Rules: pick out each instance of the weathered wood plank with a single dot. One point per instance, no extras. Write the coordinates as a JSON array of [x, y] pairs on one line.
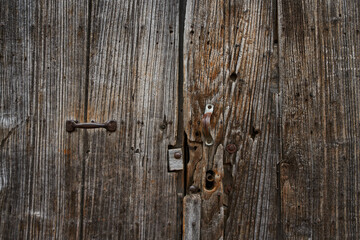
[[192, 217], [230, 62], [251, 120], [42, 75], [203, 84], [319, 78], [129, 193]]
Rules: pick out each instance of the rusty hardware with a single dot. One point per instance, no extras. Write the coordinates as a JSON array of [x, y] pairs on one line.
[[71, 125], [193, 189], [206, 125], [175, 159], [210, 179], [177, 155], [210, 176], [231, 148]]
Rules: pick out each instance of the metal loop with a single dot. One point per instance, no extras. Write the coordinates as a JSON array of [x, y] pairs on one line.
[[206, 125]]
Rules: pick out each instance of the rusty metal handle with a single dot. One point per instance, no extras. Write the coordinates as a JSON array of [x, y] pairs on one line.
[[71, 125], [206, 125]]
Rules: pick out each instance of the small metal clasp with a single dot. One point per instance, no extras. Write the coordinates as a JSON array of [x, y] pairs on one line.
[[206, 125]]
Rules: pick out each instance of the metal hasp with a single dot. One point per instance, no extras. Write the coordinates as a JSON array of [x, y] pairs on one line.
[[209, 141], [110, 125]]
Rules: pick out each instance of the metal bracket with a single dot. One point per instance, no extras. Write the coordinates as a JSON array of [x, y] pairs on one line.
[[209, 141], [71, 125], [175, 159]]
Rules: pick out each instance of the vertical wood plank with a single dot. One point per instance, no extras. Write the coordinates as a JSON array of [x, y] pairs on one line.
[[251, 120], [230, 61], [129, 193], [319, 73], [42, 73], [192, 217], [203, 84]]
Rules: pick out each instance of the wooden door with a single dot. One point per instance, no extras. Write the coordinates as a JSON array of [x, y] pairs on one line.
[[279, 77], [283, 77], [89, 60]]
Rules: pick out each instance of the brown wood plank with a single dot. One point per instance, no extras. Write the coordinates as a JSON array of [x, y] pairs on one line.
[[129, 193], [42, 75], [203, 84], [231, 63], [251, 120], [319, 78]]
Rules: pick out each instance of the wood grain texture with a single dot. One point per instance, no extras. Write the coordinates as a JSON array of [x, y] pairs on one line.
[[42, 75], [283, 77], [319, 78], [251, 119], [133, 78], [203, 84], [230, 62], [192, 217]]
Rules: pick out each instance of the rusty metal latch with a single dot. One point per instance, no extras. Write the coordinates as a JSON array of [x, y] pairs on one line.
[[206, 125], [71, 125]]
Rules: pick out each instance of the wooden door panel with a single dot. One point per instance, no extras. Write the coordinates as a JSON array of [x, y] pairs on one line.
[[282, 77], [129, 193], [42, 74], [251, 120], [230, 61], [319, 79]]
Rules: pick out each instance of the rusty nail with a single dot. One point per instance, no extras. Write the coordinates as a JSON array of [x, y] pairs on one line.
[[177, 155], [231, 148], [192, 189]]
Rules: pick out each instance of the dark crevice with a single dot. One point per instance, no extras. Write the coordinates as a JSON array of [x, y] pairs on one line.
[[254, 132], [278, 199], [186, 158], [181, 138], [85, 136], [279, 232], [180, 124], [209, 180], [87, 70]]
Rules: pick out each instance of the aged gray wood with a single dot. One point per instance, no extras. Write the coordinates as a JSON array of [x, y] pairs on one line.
[[292, 112], [319, 78], [42, 76], [192, 217], [230, 62], [89, 184], [133, 78]]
